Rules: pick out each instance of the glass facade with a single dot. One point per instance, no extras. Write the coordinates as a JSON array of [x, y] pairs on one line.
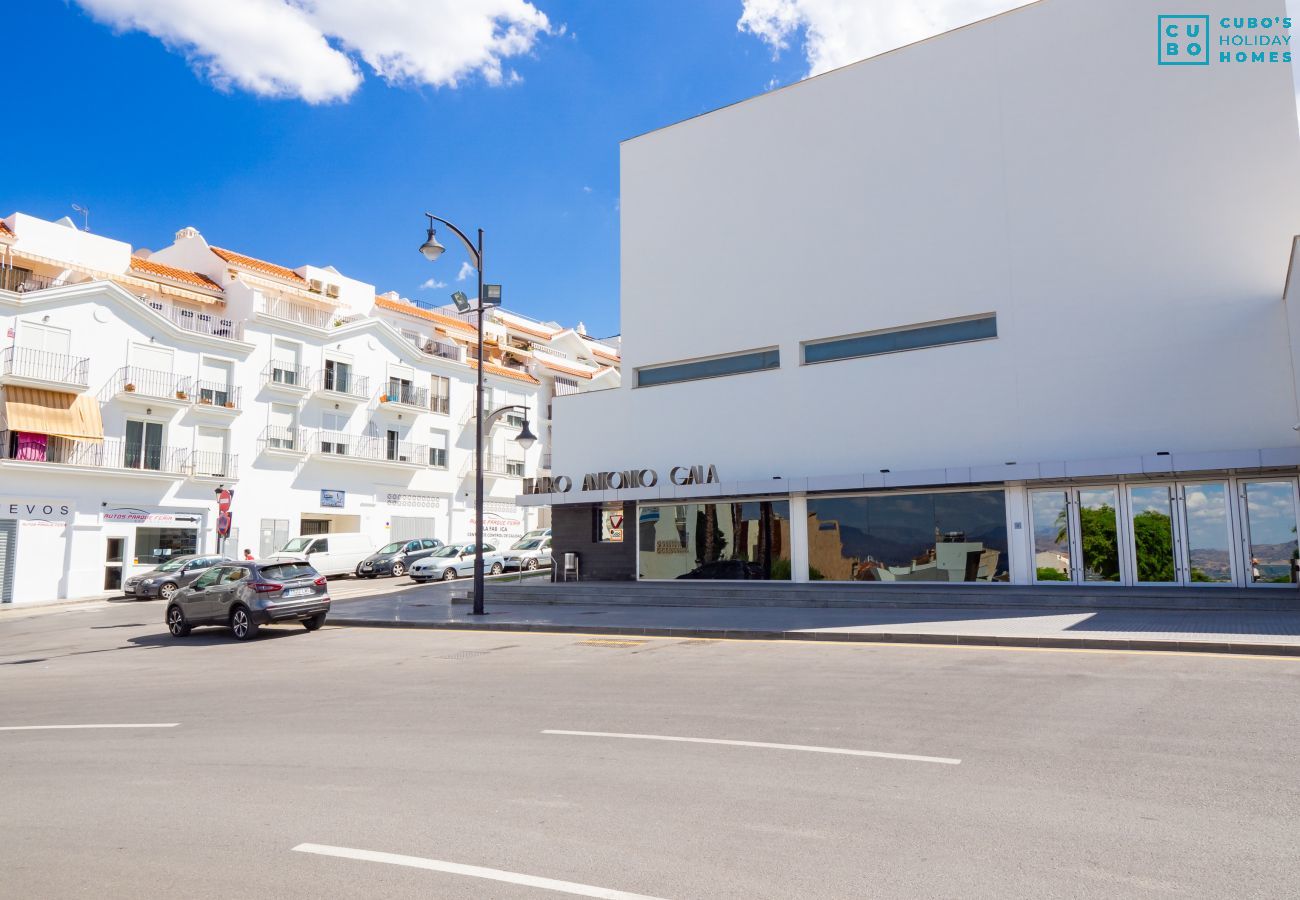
[[737, 364], [740, 541], [154, 546], [951, 536]]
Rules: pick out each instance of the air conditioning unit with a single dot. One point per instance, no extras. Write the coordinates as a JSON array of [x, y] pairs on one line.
[[331, 290], [314, 285]]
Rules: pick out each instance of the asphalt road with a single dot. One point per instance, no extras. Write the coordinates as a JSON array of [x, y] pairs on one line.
[[1080, 774]]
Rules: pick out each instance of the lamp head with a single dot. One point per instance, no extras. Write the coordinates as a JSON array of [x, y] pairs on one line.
[[431, 248], [525, 438]]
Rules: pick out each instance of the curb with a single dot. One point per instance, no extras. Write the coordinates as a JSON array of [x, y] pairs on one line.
[[857, 637]]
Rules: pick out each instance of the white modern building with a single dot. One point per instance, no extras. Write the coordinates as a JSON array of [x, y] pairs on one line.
[[1009, 305], [134, 386]]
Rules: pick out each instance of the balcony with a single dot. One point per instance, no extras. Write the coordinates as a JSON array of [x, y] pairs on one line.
[[282, 441], [365, 448], [207, 464], [40, 368], [24, 281], [339, 386], [292, 311], [113, 454], [495, 465], [216, 397], [404, 397], [440, 403], [152, 385], [196, 320], [286, 376]]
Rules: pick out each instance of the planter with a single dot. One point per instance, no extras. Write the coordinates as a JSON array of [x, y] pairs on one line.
[[228, 405], [383, 398], [130, 389], [205, 401], [181, 395]]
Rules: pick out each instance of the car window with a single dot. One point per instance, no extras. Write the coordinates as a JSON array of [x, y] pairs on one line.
[[234, 574], [488, 547], [209, 578], [413, 546], [428, 544], [546, 544], [392, 548], [287, 571], [297, 545], [447, 552], [321, 546], [171, 565]]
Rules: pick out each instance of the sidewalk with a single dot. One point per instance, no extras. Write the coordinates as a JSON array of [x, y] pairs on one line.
[[1204, 631]]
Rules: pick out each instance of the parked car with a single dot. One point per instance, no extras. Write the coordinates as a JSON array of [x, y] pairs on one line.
[[171, 576], [455, 560], [536, 533], [397, 557], [246, 595], [528, 553], [329, 554], [726, 570]]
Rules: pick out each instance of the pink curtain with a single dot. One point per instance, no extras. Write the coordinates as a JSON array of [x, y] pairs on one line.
[[31, 446]]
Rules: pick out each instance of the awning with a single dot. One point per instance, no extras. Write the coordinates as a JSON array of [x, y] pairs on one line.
[[74, 416]]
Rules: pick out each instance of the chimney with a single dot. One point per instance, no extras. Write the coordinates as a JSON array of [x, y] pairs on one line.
[[189, 231]]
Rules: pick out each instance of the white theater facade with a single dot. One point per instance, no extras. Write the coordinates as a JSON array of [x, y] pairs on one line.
[[976, 311]]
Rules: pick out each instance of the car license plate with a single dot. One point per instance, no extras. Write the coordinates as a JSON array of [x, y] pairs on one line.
[[298, 592]]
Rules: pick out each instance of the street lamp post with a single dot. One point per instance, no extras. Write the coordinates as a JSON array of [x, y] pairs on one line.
[[432, 250]]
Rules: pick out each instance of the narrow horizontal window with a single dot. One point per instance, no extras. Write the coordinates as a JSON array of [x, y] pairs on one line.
[[737, 364], [911, 338]]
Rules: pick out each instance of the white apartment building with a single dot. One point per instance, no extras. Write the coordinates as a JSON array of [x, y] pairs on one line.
[[133, 387], [1012, 305]]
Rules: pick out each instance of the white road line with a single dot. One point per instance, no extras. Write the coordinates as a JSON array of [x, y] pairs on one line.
[[692, 740], [66, 727], [437, 865]]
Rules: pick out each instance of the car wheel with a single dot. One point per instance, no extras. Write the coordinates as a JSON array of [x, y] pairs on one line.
[[449, 574], [176, 623], [168, 591], [531, 565], [314, 622], [242, 624], [398, 570], [497, 568]]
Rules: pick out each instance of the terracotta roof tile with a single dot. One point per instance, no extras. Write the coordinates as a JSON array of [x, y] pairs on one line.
[[508, 373], [257, 265], [605, 354], [193, 279], [6, 232], [526, 328], [581, 373], [412, 310]]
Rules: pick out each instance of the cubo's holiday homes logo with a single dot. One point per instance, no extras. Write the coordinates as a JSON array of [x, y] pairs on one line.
[[1189, 40]]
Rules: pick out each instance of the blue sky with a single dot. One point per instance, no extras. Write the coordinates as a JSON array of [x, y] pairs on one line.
[[120, 123]]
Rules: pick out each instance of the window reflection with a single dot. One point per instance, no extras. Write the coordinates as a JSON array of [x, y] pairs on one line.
[[1271, 523], [1099, 533], [1209, 536], [718, 541], [1153, 534], [950, 536], [1050, 512]]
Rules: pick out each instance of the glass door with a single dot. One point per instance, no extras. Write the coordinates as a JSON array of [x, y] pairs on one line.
[[1206, 533], [1157, 552], [1269, 513], [1049, 511], [1076, 535]]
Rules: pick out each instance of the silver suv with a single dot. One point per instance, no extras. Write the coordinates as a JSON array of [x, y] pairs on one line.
[[243, 596], [171, 576]]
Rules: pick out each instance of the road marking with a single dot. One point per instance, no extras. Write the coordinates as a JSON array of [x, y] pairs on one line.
[[692, 740], [437, 865], [67, 727]]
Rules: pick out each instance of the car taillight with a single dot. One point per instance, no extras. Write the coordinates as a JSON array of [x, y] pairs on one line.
[[319, 582], [264, 587]]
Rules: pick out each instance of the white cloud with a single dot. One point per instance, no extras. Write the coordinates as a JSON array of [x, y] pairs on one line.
[[586, 189], [310, 48], [466, 270], [838, 32], [432, 284]]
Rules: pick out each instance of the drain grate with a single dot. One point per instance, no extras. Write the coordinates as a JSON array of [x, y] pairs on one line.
[[608, 642], [471, 654], [697, 642]]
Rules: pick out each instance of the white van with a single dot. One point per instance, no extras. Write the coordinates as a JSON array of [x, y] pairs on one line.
[[330, 554]]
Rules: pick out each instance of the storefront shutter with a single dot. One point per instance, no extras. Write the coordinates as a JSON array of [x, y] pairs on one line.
[[8, 542]]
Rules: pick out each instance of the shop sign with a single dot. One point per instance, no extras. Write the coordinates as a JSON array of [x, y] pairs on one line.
[[36, 509], [136, 516], [333, 499], [621, 480], [496, 526]]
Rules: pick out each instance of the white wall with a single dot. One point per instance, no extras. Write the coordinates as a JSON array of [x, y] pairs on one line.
[[1130, 225]]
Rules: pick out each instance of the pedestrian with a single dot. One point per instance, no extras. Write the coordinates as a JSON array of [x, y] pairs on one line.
[[248, 554], [1254, 568]]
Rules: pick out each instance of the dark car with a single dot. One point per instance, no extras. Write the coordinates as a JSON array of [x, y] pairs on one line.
[[396, 558], [245, 595], [171, 576], [727, 570]]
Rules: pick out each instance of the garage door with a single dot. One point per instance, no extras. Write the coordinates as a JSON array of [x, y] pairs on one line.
[[403, 528], [8, 541]]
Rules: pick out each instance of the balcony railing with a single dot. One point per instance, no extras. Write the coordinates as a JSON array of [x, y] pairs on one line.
[[111, 453], [293, 311], [440, 403], [349, 385], [216, 393], [210, 464], [280, 439], [495, 464], [152, 383], [285, 375], [21, 281], [368, 448], [406, 394], [195, 320], [42, 365]]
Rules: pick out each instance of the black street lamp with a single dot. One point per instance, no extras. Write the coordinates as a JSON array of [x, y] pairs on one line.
[[432, 250]]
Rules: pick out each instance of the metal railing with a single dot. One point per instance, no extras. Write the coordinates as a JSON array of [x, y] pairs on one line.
[[293, 311], [349, 385], [443, 350], [440, 403], [278, 438], [496, 464], [406, 394], [152, 383], [204, 323], [368, 448], [216, 393], [111, 453], [21, 281], [210, 464], [25, 362], [286, 375]]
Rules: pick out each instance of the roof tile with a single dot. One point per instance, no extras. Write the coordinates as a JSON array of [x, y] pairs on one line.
[[193, 279], [6, 232], [493, 369], [257, 265], [413, 310]]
